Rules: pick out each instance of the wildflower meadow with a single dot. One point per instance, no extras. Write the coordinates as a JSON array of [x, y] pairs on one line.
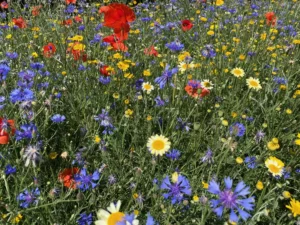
[[170, 112]]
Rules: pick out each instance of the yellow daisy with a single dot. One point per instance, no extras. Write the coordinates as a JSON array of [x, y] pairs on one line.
[[253, 83], [238, 72], [294, 207], [158, 144], [275, 166], [112, 215], [146, 86]]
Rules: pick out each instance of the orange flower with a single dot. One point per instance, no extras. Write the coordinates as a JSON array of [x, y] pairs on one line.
[[49, 50], [19, 22], [4, 5], [36, 10], [70, 2], [195, 89], [66, 177], [151, 51], [7, 128], [78, 19], [271, 18], [67, 22]]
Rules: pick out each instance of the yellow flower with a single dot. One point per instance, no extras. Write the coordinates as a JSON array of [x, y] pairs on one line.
[[76, 38], [296, 42], [148, 87], [174, 177], [63, 73], [147, 73], [128, 113], [239, 160], [234, 114], [275, 166], [263, 36], [123, 66], [294, 207], [219, 2], [117, 56], [35, 29], [259, 185], [135, 195], [149, 118], [78, 47], [116, 95], [17, 219], [126, 101], [128, 75], [242, 57], [225, 123], [289, 111], [210, 33], [34, 55], [195, 198], [286, 194], [183, 56], [53, 155], [97, 139], [203, 19], [297, 142], [204, 185], [238, 72], [273, 144], [9, 36], [253, 83], [158, 145]]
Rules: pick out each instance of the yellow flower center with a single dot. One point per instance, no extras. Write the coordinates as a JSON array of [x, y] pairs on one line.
[[237, 72], [158, 145], [114, 218], [253, 83], [147, 86], [274, 169]]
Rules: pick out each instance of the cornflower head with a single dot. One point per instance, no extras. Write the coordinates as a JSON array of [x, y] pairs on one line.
[[166, 76], [183, 125], [21, 95], [32, 154], [85, 219], [4, 70], [175, 46], [177, 188], [27, 131], [57, 118], [105, 121], [86, 181], [208, 156], [27, 198], [259, 136], [150, 220], [237, 129], [250, 161], [174, 154], [234, 200]]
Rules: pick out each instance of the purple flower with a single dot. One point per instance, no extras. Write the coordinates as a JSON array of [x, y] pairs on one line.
[[104, 80], [175, 46], [150, 220], [11, 55], [32, 154], [4, 69], [174, 154], [57, 118], [128, 219], [166, 77], [27, 198], [250, 161], [183, 125], [85, 181], [85, 219], [237, 129], [259, 136], [21, 95], [10, 170], [177, 189], [27, 131], [208, 157], [105, 121], [159, 101], [233, 200]]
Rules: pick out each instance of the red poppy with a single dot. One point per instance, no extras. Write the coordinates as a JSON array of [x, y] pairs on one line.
[[103, 70], [115, 43], [67, 177], [151, 51], [19, 22], [122, 33], [78, 19], [194, 89], [4, 5], [49, 50], [117, 15], [70, 2], [186, 25], [7, 128], [271, 18], [67, 22], [36, 10]]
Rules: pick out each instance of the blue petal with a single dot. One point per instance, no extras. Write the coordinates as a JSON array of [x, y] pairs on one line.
[[246, 203], [96, 175], [215, 203], [214, 187], [219, 211], [165, 183], [243, 192], [233, 217], [228, 182], [243, 214], [241, 185]]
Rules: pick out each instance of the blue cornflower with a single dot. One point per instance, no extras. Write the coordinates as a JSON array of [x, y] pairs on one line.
[[208, 52], [27, 131], [166, 76], [70, 8], [175, 46], [37, 65], [78, 159], [2, 99], [11, 55], [150, 220], [231, 200], [174, 154], [179, 187], [105, 121], [85, 219], [86, 181], [21, 95], [208, 156], [57, 118], [237, 129], [81, 27], [10, 170], [280, 80], [182, 125], [138, 84], [32, 154], [4, 69], [250, 161], [104, 80], [159, 101], [259, 136], [27, 198]]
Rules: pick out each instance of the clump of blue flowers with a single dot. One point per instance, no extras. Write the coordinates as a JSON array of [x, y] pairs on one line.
[[27, 198]]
